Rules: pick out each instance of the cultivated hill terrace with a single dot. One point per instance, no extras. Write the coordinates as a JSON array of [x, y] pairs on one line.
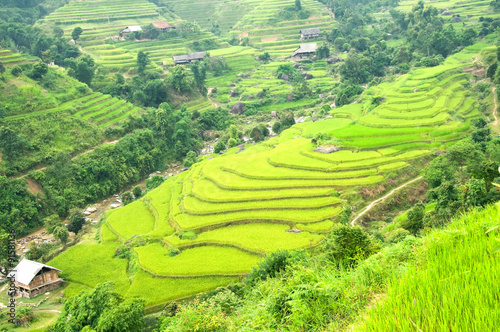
[[223, 214]]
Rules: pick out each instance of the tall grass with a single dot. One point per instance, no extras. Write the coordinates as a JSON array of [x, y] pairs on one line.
[[456, 288]]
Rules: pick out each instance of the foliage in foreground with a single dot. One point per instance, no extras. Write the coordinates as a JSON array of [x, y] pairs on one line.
[[439, 279]]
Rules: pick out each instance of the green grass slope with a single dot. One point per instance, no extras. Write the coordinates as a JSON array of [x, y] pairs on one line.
[[454, 289]]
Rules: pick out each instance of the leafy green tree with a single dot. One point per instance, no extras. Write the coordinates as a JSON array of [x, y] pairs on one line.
[[179, 79], [199, 70], [347, 245], [51, 223], [137, 191], [142, 61], [2, 68], [277, 129], [38, 70], [127, 197], [100, 309], [58, 32], [76, 33], [61, 233], [298, 5], [219, 147], [190, 159], [11, 144], [154, 182], [84, 72], [76, 221], [287, 120], [232, 142], [16, 71], [265, 57], [415, 219], [323, 52]]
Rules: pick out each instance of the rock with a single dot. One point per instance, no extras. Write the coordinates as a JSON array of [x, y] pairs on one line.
[[295, 230], [233, 93], [327, 149], [308, 76], [260, 94], [416, 90], [457, 19], [442, 10], [285, 77], [232, 85], [273, 114], [238, 108], [334, 59], [240, 146], [322, 95], [314, 119], [183, 169], [250, 97], [289, 97], [114, 206], [469, 16]]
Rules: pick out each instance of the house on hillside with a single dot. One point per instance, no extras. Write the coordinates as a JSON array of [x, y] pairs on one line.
[[132, 28], [305, 50], [32, 278], [163, 26], [188, 58], [309, 33]]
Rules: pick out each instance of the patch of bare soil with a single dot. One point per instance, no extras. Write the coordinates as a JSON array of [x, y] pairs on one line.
[[270, 39], [34, 187], [243, 34], [316, 16]]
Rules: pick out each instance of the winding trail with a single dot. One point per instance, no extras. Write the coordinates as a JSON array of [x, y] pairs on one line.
[[495, 111], [381, 199]]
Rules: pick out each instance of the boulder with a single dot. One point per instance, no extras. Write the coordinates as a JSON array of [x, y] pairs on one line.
[[285, 77], [334, 59], [250, 97], [289, 97], [233, 93], [273, 114], [327, 149], [321, 95], [457, 19], [238, 108], [232, 85], [308, 76], [295, 230]]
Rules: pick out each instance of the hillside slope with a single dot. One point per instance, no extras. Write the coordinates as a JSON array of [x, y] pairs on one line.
[[237, 207]]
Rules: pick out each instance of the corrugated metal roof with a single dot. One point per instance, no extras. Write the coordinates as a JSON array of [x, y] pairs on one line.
[[310, 31], [132, 28], [26, 270], [189, 57], [306, 48]]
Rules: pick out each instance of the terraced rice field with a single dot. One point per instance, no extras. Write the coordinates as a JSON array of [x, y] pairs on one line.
[[7, 58], [103, 110]]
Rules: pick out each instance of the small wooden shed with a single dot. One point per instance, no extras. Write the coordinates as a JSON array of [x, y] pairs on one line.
[[188, 58], [163, 26], [305, 50], [33, 278], [309, 33]]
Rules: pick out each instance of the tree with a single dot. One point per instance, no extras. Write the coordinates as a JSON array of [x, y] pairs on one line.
[[323, 52], [2, 68], [190, 159], [277, 129], [199, 70], [154, 182], [16, 71], [58, 32], [61, 233], [142, 61], [347, 244], [219, 147], [51, 223], [415, 219], [298, 5], [38, 70], [100, 309], [11, 144], [179, 78], [76, 221], [127, 197], [84, 72], [265, 57], [137, 191], [76, 33]]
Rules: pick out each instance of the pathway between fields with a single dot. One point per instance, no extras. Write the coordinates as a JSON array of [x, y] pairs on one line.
[[381, 199], [209, 91], [495, 111]]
